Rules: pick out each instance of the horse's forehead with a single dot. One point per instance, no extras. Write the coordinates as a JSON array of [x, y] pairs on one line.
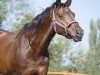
[[63, 9]]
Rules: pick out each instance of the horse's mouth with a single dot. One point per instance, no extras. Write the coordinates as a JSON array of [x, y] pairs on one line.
[[77, 39]]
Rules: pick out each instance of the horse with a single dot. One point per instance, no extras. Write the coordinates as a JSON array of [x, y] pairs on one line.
[[26, 52]]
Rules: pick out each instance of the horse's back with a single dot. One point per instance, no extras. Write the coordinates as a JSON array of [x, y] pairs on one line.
[[6, 39]]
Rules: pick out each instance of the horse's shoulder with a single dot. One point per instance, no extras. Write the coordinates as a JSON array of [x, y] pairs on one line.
[[6, 35]]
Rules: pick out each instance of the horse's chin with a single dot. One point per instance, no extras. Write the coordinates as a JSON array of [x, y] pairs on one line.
[[76, 39]]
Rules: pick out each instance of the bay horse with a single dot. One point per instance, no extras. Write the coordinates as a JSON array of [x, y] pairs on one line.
[[26, 53]]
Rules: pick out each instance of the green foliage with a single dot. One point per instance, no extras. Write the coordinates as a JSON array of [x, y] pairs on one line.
[[94, 43], [27, 18], [24, 16], [18, 9], [93, 35], [56, 49], [3, 10]]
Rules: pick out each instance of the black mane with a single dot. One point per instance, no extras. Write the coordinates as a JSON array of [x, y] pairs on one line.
[[38, 20]]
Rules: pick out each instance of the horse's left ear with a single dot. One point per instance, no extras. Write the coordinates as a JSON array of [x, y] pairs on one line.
[[58, 2], [68, 3]]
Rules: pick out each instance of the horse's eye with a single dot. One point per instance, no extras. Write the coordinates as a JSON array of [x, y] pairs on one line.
[[61, 16]]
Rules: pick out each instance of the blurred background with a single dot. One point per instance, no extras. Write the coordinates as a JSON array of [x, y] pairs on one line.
[[65, 55]]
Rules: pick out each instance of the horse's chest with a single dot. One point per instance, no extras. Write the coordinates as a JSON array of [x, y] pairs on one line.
[[39, 64]]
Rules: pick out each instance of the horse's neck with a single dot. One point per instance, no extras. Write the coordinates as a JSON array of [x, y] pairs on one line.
[[40, 37]]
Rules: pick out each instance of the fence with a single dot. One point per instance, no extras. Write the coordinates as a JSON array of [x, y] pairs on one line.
[[64, 73]]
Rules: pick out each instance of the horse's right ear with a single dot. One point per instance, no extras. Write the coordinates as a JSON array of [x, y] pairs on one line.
[[58, 2], [68, 3]]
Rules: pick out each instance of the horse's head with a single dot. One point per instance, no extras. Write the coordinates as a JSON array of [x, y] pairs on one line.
[[64, 21]]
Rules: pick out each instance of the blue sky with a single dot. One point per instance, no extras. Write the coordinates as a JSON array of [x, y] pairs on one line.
[[85, 10]]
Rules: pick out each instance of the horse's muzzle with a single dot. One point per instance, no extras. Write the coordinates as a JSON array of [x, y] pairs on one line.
[[79, 35]]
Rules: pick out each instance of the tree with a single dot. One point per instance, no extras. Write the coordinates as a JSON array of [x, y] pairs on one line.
[[18, 10], [56, 49], [26, 19], [3, 10], [94, 45], [23, 17]]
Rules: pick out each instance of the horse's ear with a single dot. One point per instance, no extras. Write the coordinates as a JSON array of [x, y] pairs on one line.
[[58, 2], [68, 3]]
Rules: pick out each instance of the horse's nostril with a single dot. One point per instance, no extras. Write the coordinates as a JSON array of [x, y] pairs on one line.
[[77, 31]]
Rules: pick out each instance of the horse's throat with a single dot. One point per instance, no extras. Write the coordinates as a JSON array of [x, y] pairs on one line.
[[43, 38], [45, 41]]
